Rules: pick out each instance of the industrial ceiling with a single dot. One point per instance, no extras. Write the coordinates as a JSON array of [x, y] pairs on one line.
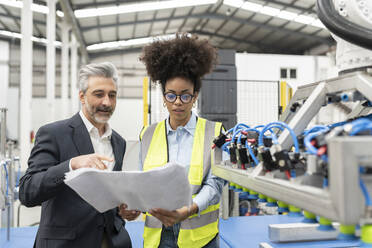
[[255, 26]]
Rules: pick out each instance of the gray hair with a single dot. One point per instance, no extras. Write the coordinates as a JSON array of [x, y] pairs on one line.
[[105, 69]]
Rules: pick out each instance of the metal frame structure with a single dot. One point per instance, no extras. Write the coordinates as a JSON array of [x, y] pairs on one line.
[[314, 94], [8, 194], [339, 203], [342, 201], [233, 27], [2, 155]]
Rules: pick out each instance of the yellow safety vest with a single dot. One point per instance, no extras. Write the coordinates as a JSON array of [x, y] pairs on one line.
[[196, 231]]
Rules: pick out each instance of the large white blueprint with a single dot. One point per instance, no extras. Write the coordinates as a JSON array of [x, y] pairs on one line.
[[163, 187]]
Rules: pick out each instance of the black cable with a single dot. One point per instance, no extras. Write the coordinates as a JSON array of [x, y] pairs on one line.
[[343, 28]]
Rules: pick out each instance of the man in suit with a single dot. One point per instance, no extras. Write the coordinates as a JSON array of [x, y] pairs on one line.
[[85, 140]]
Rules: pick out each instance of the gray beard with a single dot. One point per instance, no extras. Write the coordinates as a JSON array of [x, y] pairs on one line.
[[96, 118]]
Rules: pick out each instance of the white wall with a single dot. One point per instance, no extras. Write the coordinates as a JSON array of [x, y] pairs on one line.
[[38, 71], [267, 67], [131, 73], [4, 73], [128, 118], [8, 96], [12, 117]]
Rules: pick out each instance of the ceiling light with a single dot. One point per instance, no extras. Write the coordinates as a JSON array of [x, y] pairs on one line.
[[60, 13], [36, 39], [128, 43], [304, 19], [318, 23], [270, 11], [287, 15], [275, 12], [34, 7], [140, 7], [16, 4], [10, 34], [252, 6], [45, 41], [39, 8], [234, 3]]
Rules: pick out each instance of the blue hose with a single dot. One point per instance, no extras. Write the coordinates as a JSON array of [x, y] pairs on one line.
[[360, 125], [274, 138], [224, 147], [277, 126], [255, 160], [325, 182], [360, 121], [233, 138], [307, 141], [248, 146], [315, 129], [295, 141], [336, 124], [310, 148], [273, 135], [230, 130], [238, 125], [360, 129]]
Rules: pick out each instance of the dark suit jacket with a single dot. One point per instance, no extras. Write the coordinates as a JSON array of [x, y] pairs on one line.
[[66, 219]]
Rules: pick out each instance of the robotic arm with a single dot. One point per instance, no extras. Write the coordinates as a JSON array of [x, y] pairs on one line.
[[350, 22]]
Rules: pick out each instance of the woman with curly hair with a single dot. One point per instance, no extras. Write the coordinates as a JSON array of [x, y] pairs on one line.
[[184, 138]]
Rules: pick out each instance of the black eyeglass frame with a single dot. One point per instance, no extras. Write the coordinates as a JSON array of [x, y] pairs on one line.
[[180, 96]]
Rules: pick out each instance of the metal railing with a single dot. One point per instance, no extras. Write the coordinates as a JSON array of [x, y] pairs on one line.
[[8, 179]]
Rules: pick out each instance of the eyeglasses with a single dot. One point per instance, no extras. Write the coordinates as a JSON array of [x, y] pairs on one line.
[[171, 97]]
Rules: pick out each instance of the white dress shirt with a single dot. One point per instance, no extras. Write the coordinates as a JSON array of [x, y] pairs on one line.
[[101, 144]]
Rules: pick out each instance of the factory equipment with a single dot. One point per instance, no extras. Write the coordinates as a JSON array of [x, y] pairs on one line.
[[9, 180], [326, 170], [217, 100]]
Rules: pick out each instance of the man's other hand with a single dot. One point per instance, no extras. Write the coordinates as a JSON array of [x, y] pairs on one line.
[[128, 214]]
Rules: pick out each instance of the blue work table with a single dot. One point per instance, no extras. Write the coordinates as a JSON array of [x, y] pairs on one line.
[[236, 232], [239, 232]]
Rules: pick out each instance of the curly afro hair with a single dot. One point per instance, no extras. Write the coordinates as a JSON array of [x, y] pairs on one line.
[[184, 56]]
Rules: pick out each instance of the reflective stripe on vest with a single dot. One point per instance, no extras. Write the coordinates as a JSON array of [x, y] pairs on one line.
[[157, 153], [207, 216], [196, 231]]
